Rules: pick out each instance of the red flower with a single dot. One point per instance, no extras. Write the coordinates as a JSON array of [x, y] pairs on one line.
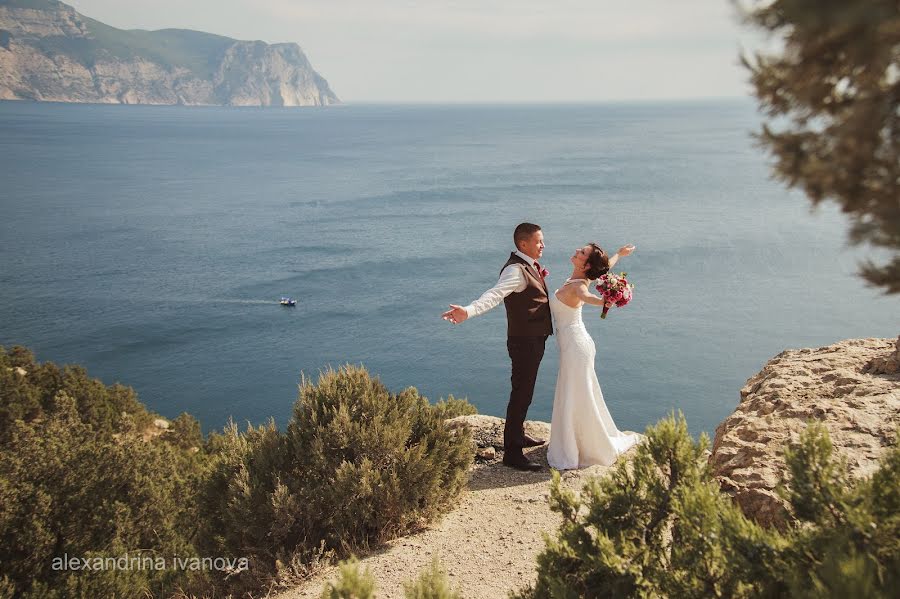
[[544, 273]]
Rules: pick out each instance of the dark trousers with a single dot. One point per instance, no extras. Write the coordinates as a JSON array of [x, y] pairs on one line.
[[526, 354]]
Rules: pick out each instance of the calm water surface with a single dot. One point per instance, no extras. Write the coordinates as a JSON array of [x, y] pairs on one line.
[[151, 245]]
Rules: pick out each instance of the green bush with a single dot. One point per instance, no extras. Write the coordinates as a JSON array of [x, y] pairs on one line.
[[108, 409], [431, 584], [658, 526], [185, 432], [848, 540], [453, 407], [375, 464], [352, 584], [19, 399], [357, 465], [241, 513], [81, 476], [65, 491]]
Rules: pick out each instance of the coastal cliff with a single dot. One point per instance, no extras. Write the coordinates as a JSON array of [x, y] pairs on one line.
[[852, 387], [50, 52]]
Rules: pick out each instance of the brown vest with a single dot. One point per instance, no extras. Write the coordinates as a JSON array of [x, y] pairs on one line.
[[528, 311]]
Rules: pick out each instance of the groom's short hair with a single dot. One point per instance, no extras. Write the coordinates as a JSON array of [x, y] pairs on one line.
[[524, 232]]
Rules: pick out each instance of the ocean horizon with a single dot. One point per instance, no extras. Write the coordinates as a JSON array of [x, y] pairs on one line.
[[151, 244]]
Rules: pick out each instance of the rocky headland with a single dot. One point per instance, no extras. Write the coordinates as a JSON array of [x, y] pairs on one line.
[[50, 52], [489, 542]]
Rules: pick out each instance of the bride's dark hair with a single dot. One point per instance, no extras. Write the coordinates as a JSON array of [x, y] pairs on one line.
[[597, 263]]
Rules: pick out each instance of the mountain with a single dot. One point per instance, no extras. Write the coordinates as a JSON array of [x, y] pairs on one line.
[[50, 52]]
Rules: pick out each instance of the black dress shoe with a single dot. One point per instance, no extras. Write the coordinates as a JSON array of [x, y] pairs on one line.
[[529, 442], [520, 462]]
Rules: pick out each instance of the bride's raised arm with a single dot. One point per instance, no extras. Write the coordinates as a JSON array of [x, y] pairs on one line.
[[625, 250]]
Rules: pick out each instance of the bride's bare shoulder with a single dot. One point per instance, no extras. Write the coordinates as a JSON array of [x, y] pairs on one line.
[[567, 294]]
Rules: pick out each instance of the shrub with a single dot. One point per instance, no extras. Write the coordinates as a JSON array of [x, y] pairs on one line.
[[431, 584], [79, 477], [848, 540], [108, 409], [373, 463], [65, 491], [659, 527], [185, 432], [240, 511], [353, 584], [453, 407], [357, 465], [19, 399]]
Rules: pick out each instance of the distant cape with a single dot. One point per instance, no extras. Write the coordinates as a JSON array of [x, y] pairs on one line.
[[50, 52]]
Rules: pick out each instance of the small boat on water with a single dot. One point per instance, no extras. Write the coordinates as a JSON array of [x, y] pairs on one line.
[[286, 301]]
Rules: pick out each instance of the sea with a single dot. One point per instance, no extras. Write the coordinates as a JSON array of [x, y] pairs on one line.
[[152, 244]]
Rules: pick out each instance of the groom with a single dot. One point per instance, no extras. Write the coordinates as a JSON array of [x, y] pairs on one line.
[[524, 293]]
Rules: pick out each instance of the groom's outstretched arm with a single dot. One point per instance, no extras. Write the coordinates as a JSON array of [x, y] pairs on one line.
[[512, 280]]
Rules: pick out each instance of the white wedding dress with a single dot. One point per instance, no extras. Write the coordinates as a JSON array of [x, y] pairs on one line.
[[582, 432]]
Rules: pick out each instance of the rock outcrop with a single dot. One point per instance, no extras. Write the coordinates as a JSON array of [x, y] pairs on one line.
[[885, 364], [852, 387], [487, 433], [48, 51]]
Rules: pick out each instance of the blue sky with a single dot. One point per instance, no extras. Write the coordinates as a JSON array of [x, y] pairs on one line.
[[480, 51]]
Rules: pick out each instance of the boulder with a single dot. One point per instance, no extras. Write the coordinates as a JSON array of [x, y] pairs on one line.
[[487, 432], [844, 386]]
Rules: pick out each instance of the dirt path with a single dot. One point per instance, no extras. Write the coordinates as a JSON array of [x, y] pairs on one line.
[[487, 544]]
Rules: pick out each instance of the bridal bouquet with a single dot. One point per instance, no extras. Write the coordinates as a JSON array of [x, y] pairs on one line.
[[615, 288]]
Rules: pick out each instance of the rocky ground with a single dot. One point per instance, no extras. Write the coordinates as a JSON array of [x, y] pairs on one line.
[[852, 387], [489, 542]]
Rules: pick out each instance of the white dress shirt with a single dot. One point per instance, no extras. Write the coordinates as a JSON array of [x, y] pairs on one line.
[[512, 280]]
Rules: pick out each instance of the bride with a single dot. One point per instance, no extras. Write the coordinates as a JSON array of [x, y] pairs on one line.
[[582, 432]]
